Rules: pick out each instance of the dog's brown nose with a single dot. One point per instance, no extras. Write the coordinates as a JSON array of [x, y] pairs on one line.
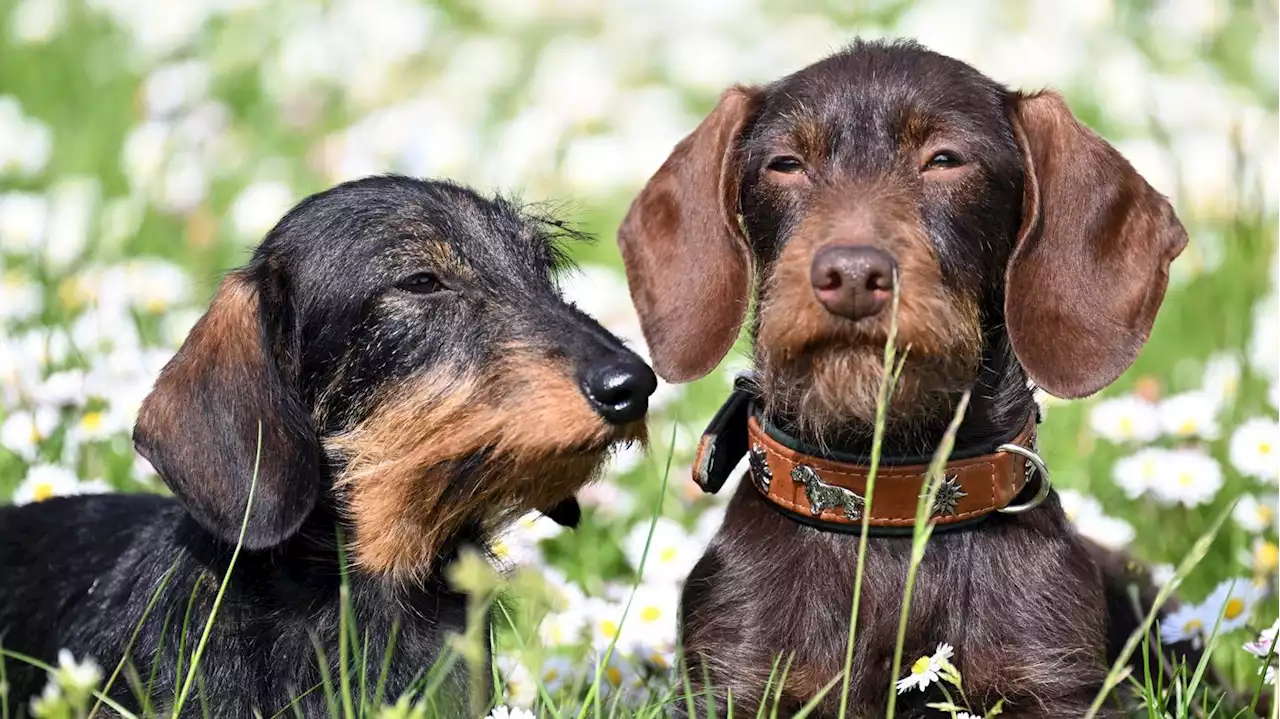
[[852, 281]]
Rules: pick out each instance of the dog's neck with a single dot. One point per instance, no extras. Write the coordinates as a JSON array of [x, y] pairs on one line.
[[1000, 401]]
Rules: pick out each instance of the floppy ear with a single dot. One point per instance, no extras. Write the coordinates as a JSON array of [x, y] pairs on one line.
[[1092, 260], [199, 425], [687, 262]]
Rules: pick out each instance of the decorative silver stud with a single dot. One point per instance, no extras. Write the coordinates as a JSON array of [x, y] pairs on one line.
[[949, 494], [759, 466], [824, 496]]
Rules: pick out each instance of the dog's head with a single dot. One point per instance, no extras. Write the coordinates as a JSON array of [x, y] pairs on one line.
[[404, 349], [992, 212]]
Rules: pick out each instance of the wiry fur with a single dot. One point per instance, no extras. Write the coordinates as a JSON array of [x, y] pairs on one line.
[[417, 380], [1039, 253]]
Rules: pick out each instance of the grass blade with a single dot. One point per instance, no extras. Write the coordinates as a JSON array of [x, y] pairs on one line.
[[1197, 553], [889, 377], [226, 580], [920, 537]]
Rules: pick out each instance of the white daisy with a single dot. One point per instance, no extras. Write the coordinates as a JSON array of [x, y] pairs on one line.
[[80, 677], [23, 217], [1263, 557], [1190, 415], [557, 673], [924, 671], [61, 389], [1137, 473], [37, 21], [652, 619], [619, 675], [155, 285], [604, 620], [563, 629], [672, 551], [1187, 623], [24, 432], [1195, 478], [1254, 515], [20, 297], [1162, 574], [1086, 515], [510, 713], [1255, 448], [1234, 599], [513, 549], [1264, 343], [259, 207], [521, 689], [45, 481], [608, 498], [1125, 419], [1221, 381], [1265, 645], [536, 526]]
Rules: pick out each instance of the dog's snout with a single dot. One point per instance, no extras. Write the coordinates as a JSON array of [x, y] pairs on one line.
[[852, 281], [619, 389]]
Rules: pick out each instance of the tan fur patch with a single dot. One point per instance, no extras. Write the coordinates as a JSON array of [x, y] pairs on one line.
[[826, 370], [538, 438]]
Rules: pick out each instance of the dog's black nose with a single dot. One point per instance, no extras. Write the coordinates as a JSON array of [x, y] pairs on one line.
[[619, 389], [852, 281]]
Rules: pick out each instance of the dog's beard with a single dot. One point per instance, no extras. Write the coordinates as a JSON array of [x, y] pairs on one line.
[[829, 396]]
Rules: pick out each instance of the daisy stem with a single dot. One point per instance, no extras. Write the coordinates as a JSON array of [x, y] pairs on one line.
[[892, 370], [920, 537]]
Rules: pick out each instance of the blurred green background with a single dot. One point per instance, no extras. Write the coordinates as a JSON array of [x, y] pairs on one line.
[[145, 147]]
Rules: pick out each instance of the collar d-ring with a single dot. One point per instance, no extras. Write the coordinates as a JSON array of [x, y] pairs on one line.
[[1034, 461]]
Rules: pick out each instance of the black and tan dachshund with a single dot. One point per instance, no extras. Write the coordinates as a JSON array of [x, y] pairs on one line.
[[416, 379], [1025, 251]]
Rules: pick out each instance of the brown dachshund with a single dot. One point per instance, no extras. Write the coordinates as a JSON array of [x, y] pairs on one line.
[[1025, 252]]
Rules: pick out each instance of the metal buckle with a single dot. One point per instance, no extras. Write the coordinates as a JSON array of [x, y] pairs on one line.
[[1045, 485]]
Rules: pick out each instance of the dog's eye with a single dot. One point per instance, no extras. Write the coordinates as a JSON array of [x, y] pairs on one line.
[[422, 283], [787, 165], [943, 160]]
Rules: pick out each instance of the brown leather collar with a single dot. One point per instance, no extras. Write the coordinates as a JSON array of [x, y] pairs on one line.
[[830, 493], [834, 492]]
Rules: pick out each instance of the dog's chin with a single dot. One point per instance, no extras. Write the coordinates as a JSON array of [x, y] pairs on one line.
[[829, 394]]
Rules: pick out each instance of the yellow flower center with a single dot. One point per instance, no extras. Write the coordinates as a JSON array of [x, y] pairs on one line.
[[1266, 557], [550, 675], [91, 421], [1193, 626], [609, 627], [614, 675], [72, 293], [1235, 607], [920, 666], [1264, 448], [42, 491], [35, 434], [650, 614], [1188, 426], [668, 554], [1126, 426]]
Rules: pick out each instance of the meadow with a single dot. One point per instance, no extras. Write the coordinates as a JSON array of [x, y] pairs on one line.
[[145, 147]]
